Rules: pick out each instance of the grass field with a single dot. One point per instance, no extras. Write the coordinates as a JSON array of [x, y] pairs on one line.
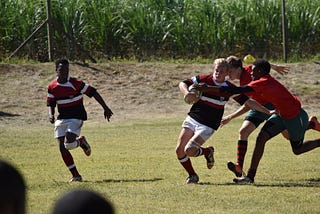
[[134, 165]]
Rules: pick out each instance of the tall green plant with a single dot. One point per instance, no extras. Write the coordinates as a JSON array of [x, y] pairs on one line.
[[161, 28]]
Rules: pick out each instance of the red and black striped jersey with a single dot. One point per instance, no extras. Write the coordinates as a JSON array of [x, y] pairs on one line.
[[210, 108], [69, 98]]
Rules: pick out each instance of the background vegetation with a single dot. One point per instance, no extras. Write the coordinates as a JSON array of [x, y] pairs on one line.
[[145, 29]]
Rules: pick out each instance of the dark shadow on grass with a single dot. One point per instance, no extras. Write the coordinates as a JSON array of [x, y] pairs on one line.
[[305, 183], [6, 114], [129, 180]]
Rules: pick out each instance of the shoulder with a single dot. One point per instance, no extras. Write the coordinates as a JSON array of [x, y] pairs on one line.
[[206, 78], [263, 81], [74, 80], [248, 68], [53, 84]]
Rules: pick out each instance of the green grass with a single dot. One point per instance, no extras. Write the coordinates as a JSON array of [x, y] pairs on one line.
[[135, 166]]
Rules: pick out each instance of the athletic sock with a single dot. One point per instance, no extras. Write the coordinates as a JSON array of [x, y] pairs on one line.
[[186, 163], [68, 160], [200, 152], [241, 151], [205, 151]]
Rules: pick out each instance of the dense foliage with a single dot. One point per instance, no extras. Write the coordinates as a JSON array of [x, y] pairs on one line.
[[145, 29]]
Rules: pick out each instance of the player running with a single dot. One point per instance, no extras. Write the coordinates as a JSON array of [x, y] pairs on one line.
[[291, 116], [254, 118], [66, 93], [205, 116]]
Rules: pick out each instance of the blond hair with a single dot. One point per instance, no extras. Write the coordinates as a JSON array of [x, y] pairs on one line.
[[221, 61]]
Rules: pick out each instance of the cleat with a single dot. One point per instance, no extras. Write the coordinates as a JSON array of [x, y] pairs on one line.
[[85, 145], [210, 158], [244, 180], [314, 123], [235, 168], [192, 179], [75, 178]]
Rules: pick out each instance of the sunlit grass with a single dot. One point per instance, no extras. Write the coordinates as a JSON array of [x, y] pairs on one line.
[[134, 164]]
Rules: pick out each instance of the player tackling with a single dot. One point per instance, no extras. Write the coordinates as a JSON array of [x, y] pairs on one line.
[[205, 116], [291, 116], [66, 93]]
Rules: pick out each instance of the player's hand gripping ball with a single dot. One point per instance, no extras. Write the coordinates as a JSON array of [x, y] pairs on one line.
[[193, 96]]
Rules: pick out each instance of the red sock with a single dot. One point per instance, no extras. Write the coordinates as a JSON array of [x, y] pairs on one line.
[[186, 163], [68, 160], [205, 151], [241, 152]]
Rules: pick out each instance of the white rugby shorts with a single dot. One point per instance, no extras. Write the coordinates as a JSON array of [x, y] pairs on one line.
[[63, 126], [199, 129]]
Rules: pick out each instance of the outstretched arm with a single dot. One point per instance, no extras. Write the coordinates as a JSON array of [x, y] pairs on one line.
[[243, 109], [107, 111], [258, 107], [281, 69], [223, 89]]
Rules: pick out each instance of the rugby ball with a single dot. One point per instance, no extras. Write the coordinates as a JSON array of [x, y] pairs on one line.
[[249, 59], [194, 91]]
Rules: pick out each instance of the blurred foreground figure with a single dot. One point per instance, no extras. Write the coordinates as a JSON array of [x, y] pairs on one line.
[[82, 202], [12, 190]]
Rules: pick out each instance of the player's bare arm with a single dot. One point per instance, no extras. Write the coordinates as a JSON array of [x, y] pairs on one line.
[[243, 109], [107, 111], [51, 114], [206, 88], [281, 69], [189, 96], [258, 107]]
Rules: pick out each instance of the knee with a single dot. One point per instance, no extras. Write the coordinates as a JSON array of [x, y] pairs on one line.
[[71, 145], [243, 133], [180, 148], [296, 151], [296, 147], [189, 152], [191, 148], [263, 137]]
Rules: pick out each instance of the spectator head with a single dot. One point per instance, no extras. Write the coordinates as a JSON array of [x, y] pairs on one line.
[[82, 202], [12, 190]]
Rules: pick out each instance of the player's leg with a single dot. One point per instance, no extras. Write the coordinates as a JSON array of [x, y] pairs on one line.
[[73, 131], [194, 147], [271, 128], [184, 160], [59, 133], [246, 129], [251, 122], [68, 160], [299, 147], [297, 128]]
